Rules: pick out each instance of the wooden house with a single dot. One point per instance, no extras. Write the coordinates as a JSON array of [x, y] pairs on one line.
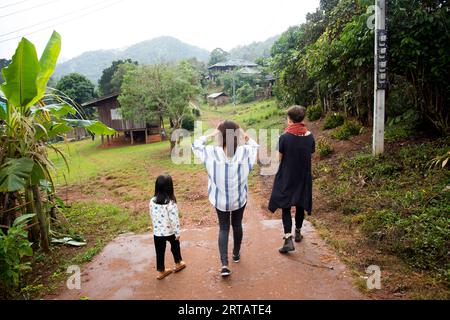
[[109, 113], [218, 98]]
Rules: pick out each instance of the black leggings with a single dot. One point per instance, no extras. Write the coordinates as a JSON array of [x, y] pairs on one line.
[[287, 219], [225, 217], [160, 247]]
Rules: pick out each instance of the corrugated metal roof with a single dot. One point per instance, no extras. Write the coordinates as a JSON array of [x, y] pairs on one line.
[[92, 102], [247, 70], [216, 95], [234, 63]]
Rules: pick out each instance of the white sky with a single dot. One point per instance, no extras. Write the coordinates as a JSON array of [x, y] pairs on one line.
[[104, 24]]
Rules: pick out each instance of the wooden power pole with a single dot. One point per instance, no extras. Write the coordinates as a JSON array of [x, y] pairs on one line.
[[380, 77]]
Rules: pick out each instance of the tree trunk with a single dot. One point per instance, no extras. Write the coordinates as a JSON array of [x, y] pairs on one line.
[[41, 218], [34, 232]]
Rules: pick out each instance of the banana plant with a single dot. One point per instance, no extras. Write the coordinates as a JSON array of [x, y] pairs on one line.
[[33, 115]]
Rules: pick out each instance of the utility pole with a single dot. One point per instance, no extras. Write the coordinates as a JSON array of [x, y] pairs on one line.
[[380, 77]]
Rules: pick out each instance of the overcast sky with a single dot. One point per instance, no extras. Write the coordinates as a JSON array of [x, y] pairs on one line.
[[87, 25]]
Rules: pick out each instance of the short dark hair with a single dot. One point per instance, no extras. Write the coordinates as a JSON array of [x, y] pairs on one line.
[[296, 113], [164, 190]]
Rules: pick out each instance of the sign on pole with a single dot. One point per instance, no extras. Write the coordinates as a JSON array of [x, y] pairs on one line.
[[380, 77]]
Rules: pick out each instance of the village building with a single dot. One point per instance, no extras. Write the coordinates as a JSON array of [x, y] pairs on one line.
[[133, 131], [218, 98]]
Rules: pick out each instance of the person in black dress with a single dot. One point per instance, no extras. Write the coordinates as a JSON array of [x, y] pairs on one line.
[[292, 186]]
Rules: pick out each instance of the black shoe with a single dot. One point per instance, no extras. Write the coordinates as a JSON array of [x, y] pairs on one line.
[[298, 235], [225, 272], [288, 245], [236, 258]]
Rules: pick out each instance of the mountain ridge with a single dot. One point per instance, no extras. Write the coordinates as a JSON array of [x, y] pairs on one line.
[[161, 49]]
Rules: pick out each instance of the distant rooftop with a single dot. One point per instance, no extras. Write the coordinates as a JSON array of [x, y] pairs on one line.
[[233, 63], [216, 95], [94, 101]]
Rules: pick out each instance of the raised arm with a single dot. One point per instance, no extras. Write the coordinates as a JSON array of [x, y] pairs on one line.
[[199, 145]]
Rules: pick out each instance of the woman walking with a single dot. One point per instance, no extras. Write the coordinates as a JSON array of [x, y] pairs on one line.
[[228, 165], [293, 182]]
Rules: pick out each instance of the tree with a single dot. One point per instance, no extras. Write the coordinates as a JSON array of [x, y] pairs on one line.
[[245, 94], [33, 116], [117, 79], [218, 55], [152, 92], [104, 83], [79, 89]]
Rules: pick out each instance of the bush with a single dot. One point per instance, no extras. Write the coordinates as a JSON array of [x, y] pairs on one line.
[[245, 94], [314, 113], [333, 120], [324, 147], [347, 130], [14, 245], [188, 122], [196, 112]]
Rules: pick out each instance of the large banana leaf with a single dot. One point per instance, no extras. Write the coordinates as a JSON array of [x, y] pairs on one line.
[[93, 126], [57, 110], [20, 76], [47, 65], [14, 174]]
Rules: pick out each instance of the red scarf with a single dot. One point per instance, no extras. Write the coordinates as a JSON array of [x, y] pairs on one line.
[[298, 129]]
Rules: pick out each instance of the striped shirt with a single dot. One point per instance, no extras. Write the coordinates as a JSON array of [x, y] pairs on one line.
[[227, 178]]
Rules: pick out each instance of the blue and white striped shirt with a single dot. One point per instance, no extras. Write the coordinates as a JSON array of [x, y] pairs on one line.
[[227, 178]]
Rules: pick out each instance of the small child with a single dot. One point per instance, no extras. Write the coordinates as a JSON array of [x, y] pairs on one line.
[[166, 225]]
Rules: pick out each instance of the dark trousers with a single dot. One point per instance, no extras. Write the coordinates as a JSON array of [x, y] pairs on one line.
[[287, 219], [160, 247], [225, 219]]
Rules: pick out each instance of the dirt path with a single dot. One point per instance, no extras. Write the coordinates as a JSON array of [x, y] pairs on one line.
[[125, 269]]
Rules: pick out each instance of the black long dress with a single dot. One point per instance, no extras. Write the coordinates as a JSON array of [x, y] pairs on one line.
[[293, 181]]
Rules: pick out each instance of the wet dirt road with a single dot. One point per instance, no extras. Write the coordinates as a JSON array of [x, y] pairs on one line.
[[125, 269]]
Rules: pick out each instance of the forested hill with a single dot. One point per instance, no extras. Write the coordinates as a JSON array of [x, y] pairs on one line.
[[91, 64], [254, 50]]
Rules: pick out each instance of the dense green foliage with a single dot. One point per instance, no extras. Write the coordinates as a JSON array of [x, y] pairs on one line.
[[329, 60], [347, 130], [245, 94], [333, 120], [107, 84], [149, 93], [77, 87], [218, 55], [79, 90], [399, 203], [314, 112], [14, 245]]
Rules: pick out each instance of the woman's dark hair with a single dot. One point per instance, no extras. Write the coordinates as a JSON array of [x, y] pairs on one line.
[[228, 130], [296, 113], [164, 190]]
